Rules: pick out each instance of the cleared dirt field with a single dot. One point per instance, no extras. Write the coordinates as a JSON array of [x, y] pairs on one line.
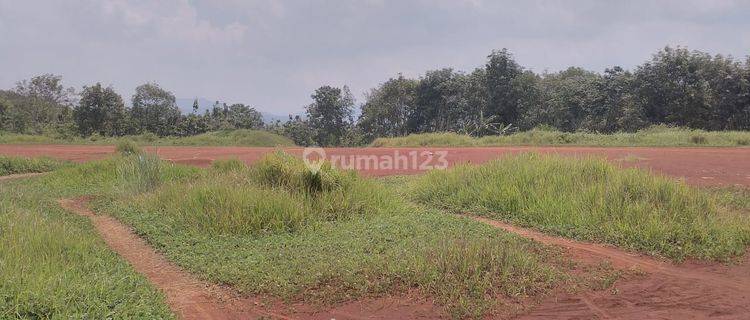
[[697, 166]]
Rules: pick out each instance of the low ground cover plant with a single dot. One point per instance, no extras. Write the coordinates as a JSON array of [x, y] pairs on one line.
[[17, 165], [591, 199], [655, 136]]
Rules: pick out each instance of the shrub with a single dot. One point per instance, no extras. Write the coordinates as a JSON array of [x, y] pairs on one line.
[[127, 147]]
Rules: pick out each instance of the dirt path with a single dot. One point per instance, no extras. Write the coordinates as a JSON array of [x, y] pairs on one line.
[[191, 298], [698, 166], [665, 291]]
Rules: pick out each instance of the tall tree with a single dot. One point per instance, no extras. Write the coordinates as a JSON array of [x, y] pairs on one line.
[[440, 103], [330, 115], [241, 116], [155, 110], [388, 107], [101, 111], [503, 96], [44, 101]]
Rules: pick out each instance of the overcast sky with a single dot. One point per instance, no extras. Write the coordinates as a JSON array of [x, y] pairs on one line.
[[273, 54]]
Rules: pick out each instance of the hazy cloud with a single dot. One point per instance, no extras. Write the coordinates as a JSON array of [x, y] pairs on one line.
[[273, 54]]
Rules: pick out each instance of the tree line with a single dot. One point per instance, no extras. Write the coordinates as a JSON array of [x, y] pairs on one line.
[[676, 87], [42, 105]]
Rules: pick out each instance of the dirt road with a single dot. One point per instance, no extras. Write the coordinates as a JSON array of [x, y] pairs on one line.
[[698, 166]]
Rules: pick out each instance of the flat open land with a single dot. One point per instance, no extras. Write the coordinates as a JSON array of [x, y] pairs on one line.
[[233, 242], [697, 166]]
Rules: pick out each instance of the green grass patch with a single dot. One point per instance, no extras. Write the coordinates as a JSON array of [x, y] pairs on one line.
[[591, 199], [53, 265], [17, 165], [240, 137], [655, 136], [276, 229]]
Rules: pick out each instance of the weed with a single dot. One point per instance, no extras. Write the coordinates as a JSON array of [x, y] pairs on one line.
[[698, 139], [228, 165], [140, 173], [127, 147]]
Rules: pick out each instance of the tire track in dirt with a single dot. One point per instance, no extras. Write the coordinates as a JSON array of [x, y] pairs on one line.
[[188, 297], [191, 298], [665, 291]]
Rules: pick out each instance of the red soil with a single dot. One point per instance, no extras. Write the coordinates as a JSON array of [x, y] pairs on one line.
[[692, 290], [697, 166], [191, 298]]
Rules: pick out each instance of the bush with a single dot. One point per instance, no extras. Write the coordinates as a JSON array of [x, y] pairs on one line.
[[127, 147]]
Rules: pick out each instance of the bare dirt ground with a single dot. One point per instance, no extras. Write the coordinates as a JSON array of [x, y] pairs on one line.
[[697, 166], [660, 290], [191, 298]]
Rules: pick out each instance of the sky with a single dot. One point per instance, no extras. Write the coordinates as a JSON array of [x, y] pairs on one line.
[[273, 54]]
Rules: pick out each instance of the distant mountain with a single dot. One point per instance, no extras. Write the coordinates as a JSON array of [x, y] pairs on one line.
[[186, 106]]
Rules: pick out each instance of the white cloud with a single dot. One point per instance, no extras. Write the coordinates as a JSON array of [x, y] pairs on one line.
[[172, 19]]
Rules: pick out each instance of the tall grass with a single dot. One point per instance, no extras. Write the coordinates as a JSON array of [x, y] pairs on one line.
[[656, 136], [53, 265], [277, 194], [127, 147], [140, 173], [240, 137], [592, 200], [273, 229], [16, 165]]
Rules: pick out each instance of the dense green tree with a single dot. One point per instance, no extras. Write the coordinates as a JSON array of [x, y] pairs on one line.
[[387, 108], [41, 102], [503, 94], [154, 110], [5, 107], [330, 115], [241, 116], [567, 97], [101, 111], [440, 102], [674, 88]]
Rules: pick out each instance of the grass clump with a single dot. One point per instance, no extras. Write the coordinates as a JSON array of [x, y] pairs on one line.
[[127, 147], [277, 194], [18, 165], [272, 230], [591, 199], [140, 173], [654, 136], [228, 165]]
